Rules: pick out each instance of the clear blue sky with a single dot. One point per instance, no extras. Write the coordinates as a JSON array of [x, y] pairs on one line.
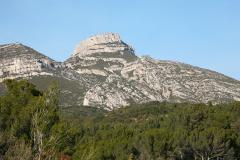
[[204, 33]]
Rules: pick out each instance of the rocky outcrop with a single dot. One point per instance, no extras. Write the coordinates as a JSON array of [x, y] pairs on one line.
[[147, 80], [101, 55], [17, 60], [107, 43], [104, 72]]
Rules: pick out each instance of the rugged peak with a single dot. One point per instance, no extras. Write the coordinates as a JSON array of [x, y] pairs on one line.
[[102, 44], [11, 46], [101, 54], [104, 38], [14, 46], [18, 60], [16, 50]]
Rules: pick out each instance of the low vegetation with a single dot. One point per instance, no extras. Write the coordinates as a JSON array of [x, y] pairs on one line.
[[34, 127]]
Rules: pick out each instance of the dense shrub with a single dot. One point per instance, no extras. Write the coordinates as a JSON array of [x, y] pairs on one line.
[[32, 126]]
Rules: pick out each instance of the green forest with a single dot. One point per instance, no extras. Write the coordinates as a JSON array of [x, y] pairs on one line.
[[34, 127]]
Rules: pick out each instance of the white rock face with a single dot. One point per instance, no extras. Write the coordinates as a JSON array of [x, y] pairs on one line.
[[101, 55], [104, 72], [103, 43], [17, 61], [150, 80]]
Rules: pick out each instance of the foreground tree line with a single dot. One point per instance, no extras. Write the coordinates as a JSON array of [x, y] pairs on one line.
[[34, 127]]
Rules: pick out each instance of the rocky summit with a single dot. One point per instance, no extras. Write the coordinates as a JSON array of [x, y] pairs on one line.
[[105, 72]]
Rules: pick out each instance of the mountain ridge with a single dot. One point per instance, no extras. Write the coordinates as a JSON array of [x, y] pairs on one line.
[[143, 56], [104, 71]]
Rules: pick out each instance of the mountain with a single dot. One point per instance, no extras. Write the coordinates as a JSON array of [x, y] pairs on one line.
[[105, 72]]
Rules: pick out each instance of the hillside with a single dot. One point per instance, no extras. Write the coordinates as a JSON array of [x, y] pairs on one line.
[[105, 72], [33, 126]]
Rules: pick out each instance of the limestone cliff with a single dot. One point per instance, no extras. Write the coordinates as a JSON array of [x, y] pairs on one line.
[[103, 71], [101, 55], [17, 60]]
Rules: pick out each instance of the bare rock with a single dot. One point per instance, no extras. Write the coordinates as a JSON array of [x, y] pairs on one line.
[[103, 71]]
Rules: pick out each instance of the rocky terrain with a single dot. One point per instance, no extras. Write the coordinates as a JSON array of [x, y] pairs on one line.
[[103, 71]]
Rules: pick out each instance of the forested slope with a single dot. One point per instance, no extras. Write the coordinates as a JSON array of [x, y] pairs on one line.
[[33, 126]]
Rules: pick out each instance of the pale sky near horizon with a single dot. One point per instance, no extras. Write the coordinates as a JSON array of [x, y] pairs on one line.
[[203, 33]]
